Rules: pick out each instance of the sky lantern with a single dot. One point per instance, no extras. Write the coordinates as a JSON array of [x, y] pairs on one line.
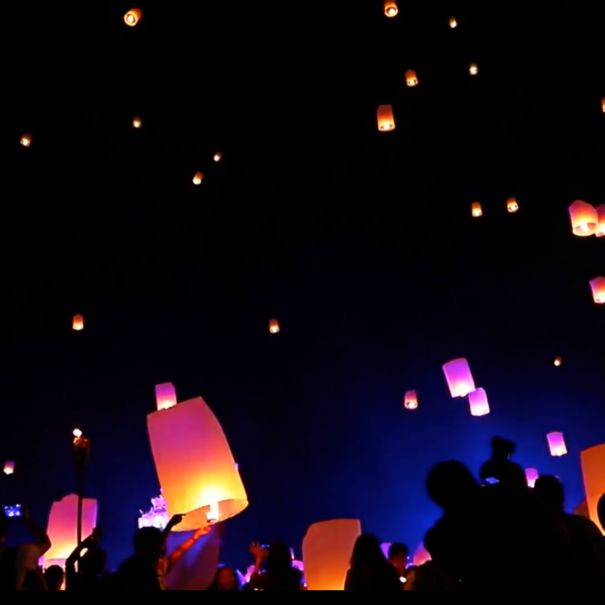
[[584, 218], [9, 468], [386, 119], [531, 474], [273, 326], [411, 78], [410, 401], [603, 105], [390, 8], [593, 472], [327, 549], [459, 377], [133, 16], [137, 122], [77, 323], [218, 156], [598, 290], [198, 178], [478, 403], [63, 527], [421, 555], [165, 396], [556, 444], [453, 23], [600, 230], [512, 205], [476, 209], [26, 140], [558, 361], [195, 465], [473, 69]]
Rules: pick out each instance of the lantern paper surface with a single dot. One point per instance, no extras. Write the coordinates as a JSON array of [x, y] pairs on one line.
[[78, 323], [133, 16], [165, 396], [459, 377], [63, 527], [473, 69], [531, 474], [556, 444], [584, 218], [410, 401], [512, 205], [195, 465], [410, 78], [273, 326], [421, 556], [26, 140], [593, 472], [198, 178], [9, 468], [385, 549], [453, 22], [386, 119], [598, 290], [600, 230], [327, 549], [477, 210], [478, 403], [390, 8]]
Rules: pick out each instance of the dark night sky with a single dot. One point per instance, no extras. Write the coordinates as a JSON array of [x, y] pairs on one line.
[[360, 243]]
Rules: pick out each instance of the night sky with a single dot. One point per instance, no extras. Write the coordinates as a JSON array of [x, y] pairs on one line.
[[360, 243]]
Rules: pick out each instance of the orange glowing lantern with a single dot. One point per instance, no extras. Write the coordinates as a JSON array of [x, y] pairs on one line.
[[218, 156], [390, 8], [593, 472], [386, 119], [512, 205], [63, 527], [78, 323], [558, 361], [459, 378], [273, 326], [326, 549], [421, 556], [198, 178], [410, 401], [26, 140], [137, 122], [9, 468], [476, 209], [165, 396], [195, 465], [584, 218], [410, 78], [603, 105], [453, 22], [478, 403], [556, 444], [598, 290], [600, 230], [531, 474], [473, 69], [133, 16]]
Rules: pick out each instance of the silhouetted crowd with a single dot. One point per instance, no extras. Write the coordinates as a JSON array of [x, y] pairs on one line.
[[495, 534]]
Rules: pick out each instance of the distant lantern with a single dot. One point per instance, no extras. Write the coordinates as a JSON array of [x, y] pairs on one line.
[[478, 403], [9, 468], [218, 156], [273, 326], [603, 105], [598, 290], [198, 178], [476, 209], [133, 16], [195, 466], [453, 22], [593, 473], [165, 396], [78, 323], [584, 218], [326, 549], [531, 474], [473, 69], [390, 8], [512, 204], [63, 527], [26, 140], [410, 400], [459, 377], [421, 555], [556, 444], [558, 361], [386, 119], [600, 230], [137, 122], [410, 78]]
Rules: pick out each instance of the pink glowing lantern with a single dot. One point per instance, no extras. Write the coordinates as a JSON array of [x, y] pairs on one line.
[[531, 474], [478, 403], [410, 401], [556, 443], [9, 468], [593, 472], [598, 290], [195, 465], [63, 527], [600, 230], [421, 556], [459, 378], [165, 396], [584, 218], [385, 549]]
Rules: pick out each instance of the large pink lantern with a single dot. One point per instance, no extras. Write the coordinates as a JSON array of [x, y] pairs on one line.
[[459, 377], [598, 290], [421, 556], [531, 474], [195, 466], [478, 403], [165, 395], [593, 472], [556, 444], [584, 218], [600, 231]]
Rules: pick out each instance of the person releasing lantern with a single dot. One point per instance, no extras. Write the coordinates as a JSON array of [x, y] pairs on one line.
[[77, 323], [133, 16], [473, 69], [410, 400], [411, 78], [556, 444], [26, 140], [584, 218], [198, 178], [512, 205], [598, 290], [386, 119], [476, 210], [459, 377], [390, 8], [600, 230]]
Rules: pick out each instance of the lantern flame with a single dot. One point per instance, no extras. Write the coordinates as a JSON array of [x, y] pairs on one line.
[[459, 377], [558, 361], [77, 433], [386, 119], [556, 444], [478, 403], [390, 8], [198, 178], [584, 218], [512, 205], [598, 290], [213, 513], [9, 468], [531, 474], [218, 156], [165, 396], [453, 22], [136, 122], [133, 16]]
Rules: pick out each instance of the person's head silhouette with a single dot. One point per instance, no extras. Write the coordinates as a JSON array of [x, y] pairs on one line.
[[601, 511], [449, 484], [550, 490], [54, 576]]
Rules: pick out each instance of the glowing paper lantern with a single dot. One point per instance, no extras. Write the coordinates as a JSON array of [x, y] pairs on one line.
[[390, 8], [558, 361], [476, 209], [459, 377], [63, 527], [26, 140], [218, 156], [584, 218], [473, 69], [410, 401], [273, 326], [603, 105], [195, 465], [531, 474], [386, 119], [78, 323], [198, 178], [598, 290], [593, 472], [137, 122], [133, 16], [453, 22], [410, 78], [165, 396], [478, 403], [600, 230], [556, 443], [512, 205], [385, 549], [9, 468], [327, 549], [421, 556]]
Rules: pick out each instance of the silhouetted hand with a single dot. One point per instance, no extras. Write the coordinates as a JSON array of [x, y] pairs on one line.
[[176, 520], [258, 552]]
